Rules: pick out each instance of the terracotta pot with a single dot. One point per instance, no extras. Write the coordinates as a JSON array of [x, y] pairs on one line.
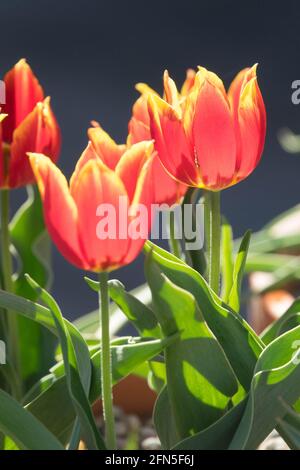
[[265, 308]]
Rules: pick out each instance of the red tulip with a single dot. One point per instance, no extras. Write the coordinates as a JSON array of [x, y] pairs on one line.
[[72, 213], [212, 139], [30, 126], [167, 189]]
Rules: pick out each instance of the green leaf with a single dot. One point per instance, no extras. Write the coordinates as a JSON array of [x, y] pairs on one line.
[[226, 257], [157, 377], [282, 233], [194, 258], [164, 421], [75, 380], [239, 342], [43, 316], [32, 244], [276, 383], [198, 373], [238, 272], [290, 319], [133, 353], [23, 428], [266, 262], [39, 387], [290, 428], [54, 408], [89, 324], [32, 249], [217, 436], [139, 314]]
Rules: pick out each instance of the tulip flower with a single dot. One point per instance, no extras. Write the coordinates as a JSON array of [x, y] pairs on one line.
[[215, 139], [30, 126], [72, 212], [167, 190], [90, 220]]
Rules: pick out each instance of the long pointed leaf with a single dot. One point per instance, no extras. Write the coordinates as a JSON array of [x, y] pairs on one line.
[[240, 343], [74, 382], [21, 426]]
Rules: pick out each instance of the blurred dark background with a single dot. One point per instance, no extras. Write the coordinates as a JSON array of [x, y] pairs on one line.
[[88, 54]]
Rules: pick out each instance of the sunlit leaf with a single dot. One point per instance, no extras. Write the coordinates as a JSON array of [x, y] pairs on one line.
[[238, 272], [198, 373], [21, 426]]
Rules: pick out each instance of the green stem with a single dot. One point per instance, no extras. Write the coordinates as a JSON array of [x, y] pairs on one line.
[[11, 317], [5, 241], [173, 241], [213, 237], [207, 204], [106, 374]]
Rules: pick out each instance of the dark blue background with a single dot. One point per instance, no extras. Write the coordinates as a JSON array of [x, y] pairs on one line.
[[89, 54]]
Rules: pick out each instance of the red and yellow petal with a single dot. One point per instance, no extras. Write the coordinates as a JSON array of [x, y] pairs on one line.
[[140, 212], [104, 252], [171, 142], [88, 154], [137, 131], [131, 163], [251, 122], [204, 75], [106, 148], [237, 86], [166, 190], [3, 173], [140, 108], [60, 211], [213, 136], [139, 124], [23, 92], [38, 133], [171, 92], [188, 83]]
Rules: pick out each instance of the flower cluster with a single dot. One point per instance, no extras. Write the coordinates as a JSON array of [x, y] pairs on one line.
[[201, 136]]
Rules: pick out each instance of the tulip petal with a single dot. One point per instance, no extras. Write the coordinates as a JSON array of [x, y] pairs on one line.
[[2, 162], [106, 148], [251, 123], [131, 163], [171, 142], [188, 83], [206, 75], [171, 92], [213, 136], [140, 108], [105, 186], [137, 131], [60, 211], [88, 154], [144, 198], [38, 133], [235, 89], [23, 92], [249, 120], [166, 189], [139, 124]]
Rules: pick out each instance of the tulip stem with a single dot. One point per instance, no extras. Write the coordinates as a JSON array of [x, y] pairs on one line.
[[11, 319], [106, 373], [173, 241], [213, 237]]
